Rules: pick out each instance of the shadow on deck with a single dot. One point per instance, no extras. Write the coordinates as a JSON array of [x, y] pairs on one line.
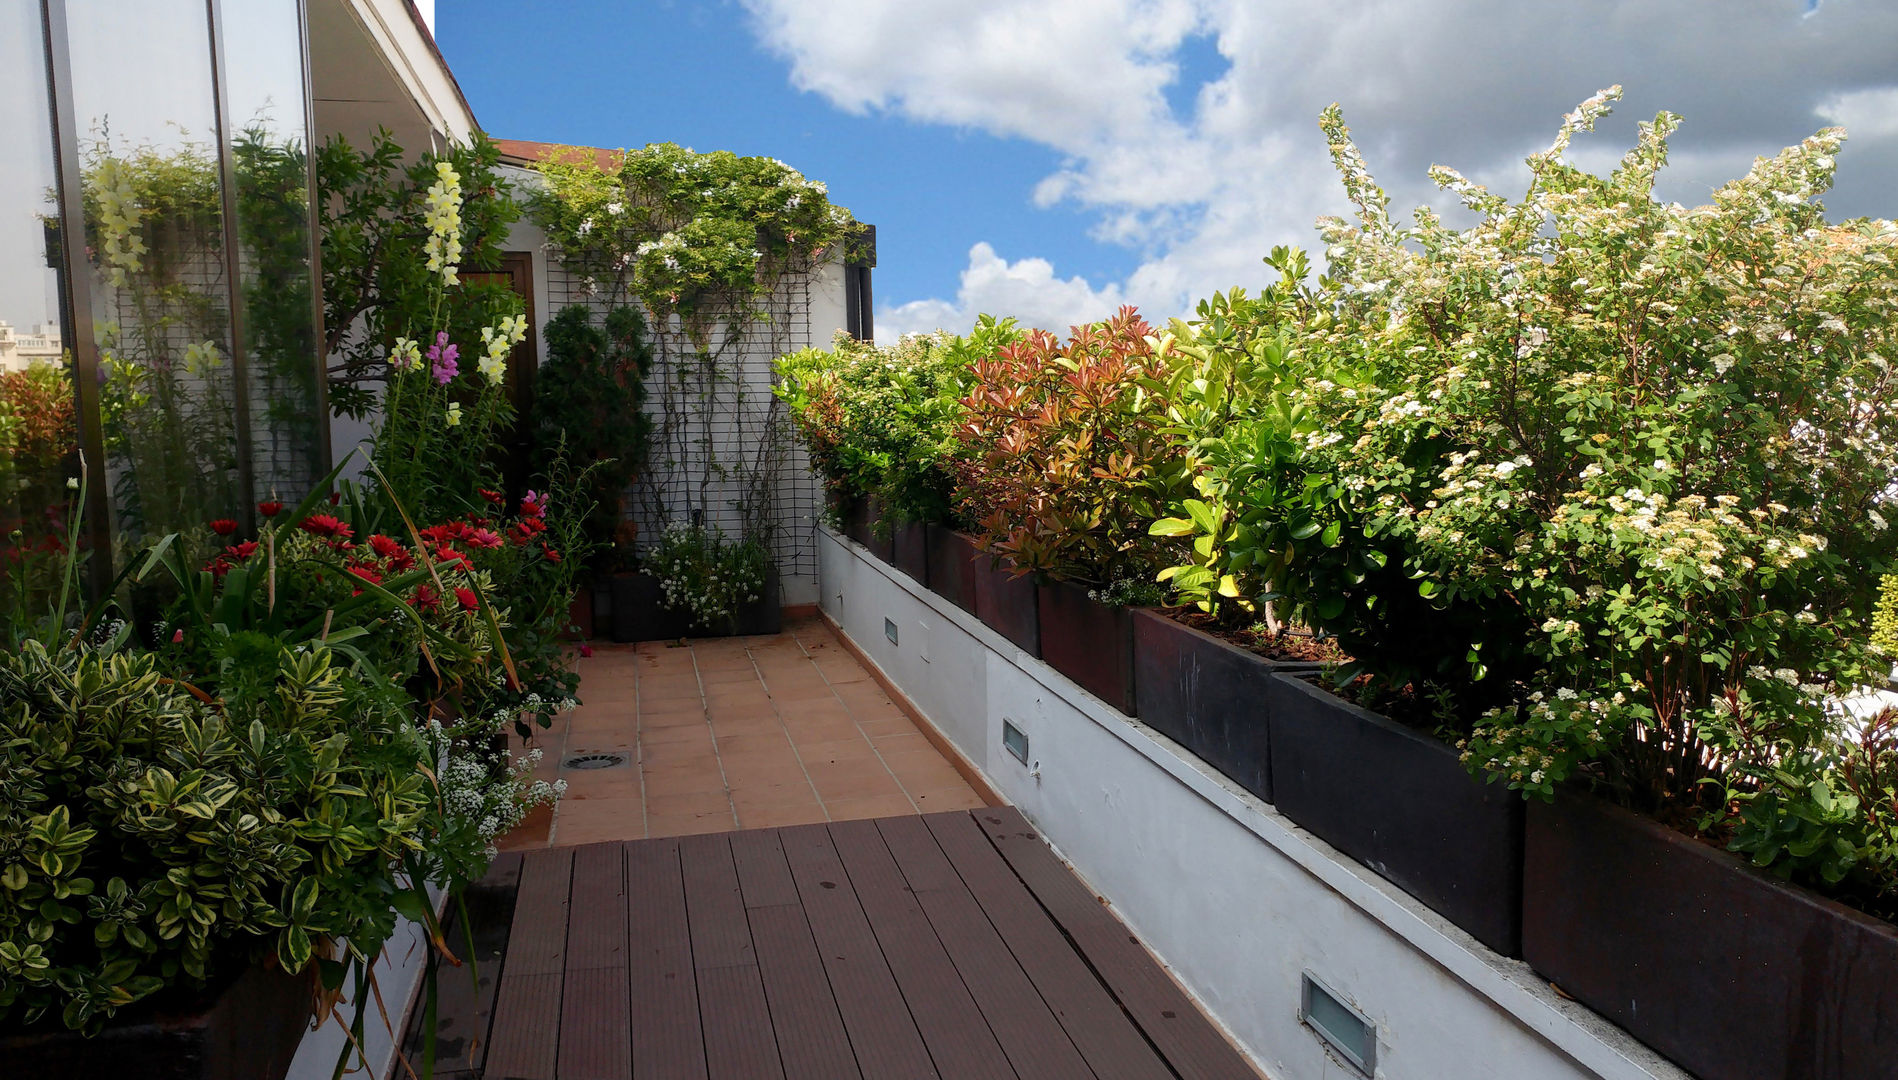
[[950, 945]]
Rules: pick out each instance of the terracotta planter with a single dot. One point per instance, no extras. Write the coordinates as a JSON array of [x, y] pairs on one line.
[[249, 1031], [1006, 603], [1731, 974], [1089, 642], [953, 566], [1401, 803], [910, 550], [1208, 695], [640, 614]]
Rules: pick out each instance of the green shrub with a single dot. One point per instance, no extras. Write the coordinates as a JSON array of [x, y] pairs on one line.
[[1645, 444], [1066, 461], [883, 421], [587, 399]]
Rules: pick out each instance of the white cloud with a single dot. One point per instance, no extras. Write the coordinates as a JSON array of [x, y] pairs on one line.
[[1476, 84], [1026, 289]]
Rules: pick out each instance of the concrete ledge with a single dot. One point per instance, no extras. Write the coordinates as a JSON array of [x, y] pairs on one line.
[[1237, 899]]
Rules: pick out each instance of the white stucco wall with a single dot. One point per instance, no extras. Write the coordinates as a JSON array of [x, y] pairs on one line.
[[1237, 900]]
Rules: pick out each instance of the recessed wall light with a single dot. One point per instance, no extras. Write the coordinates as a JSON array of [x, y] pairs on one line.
[[1349, 1034], [889, 629], [1015, 741]]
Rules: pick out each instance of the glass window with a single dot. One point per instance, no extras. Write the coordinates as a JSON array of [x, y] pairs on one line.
[[146, 129], [263, 65], [38, 435]]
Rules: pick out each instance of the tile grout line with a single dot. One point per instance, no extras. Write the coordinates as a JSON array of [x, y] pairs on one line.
[[854, 722], [639, 743], [795, 752], [705, 703]]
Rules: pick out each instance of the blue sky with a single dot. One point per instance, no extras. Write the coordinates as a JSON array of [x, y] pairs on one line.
[[932, 190], [1053, 159]]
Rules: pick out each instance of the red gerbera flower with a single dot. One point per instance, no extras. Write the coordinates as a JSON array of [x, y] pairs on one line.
[[335, 497], [326, 525], [551, 554], [367, 573], [425, 599], [451, 558], [482, 538], [218, 567], [224, 526], [384, 547], [467, 599], [526, 529], [242, 551], [270, 508], [492, 496]]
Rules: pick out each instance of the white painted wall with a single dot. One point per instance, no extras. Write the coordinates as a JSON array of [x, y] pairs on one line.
[[1236, 899], [399, 975]]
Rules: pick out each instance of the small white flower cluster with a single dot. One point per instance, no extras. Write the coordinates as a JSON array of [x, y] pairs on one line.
[[443, 217]]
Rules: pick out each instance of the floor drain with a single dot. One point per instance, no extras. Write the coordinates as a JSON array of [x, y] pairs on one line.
[[593, 761]]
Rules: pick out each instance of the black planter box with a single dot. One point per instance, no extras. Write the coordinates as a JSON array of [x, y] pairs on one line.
[[1401, 803], [910, 550], [862, 524], [1729, 973], [640, 614], [1006, 603], [1089, 642], [1208, 695], [249, 1031], [953, 566]]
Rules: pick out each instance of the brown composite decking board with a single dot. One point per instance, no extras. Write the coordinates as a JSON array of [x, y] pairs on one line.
[[951, 1023], [812, 1044], [739, 1041], [663, 1025], [594, 1041], [1114, 1048], [1027, 1030], [1189, 1042], [881, 1029], [943, 947], [524, 1037]]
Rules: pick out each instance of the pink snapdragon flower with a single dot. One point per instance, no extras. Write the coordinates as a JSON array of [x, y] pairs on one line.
[[442, 355]]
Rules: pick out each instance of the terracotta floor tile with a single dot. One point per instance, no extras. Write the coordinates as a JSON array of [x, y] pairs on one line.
[[787, 794], [823, 730], [703, 802], [824, 708], [745, 774], [892, 726], [852, 781], [620, 783], [690, 824], [594, 820], [676, 696], [700, 733], [923, 771], [901, 743], [672, 716], [685, 779], [746, 723], [801, 691], [835, 750], [672, 753], [954, 798], [869, 806], [778, 817]]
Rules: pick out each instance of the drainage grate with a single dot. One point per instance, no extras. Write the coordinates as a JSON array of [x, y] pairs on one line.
[[593, 761]]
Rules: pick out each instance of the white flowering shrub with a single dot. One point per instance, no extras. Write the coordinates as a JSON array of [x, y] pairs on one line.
[[707, 576], [1646, 448]]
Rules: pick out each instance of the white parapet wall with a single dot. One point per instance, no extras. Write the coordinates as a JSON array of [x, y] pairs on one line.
[[1239, 902]]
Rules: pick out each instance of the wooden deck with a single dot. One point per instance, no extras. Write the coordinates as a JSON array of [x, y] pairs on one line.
[[950, 945]]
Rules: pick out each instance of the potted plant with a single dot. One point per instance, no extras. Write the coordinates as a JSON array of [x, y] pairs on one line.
[[697, 582], [1066, 464], [587, 410]]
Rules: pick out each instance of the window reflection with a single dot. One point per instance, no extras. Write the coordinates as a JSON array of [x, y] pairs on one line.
[[265, 102], [146, 128], [38, 435]]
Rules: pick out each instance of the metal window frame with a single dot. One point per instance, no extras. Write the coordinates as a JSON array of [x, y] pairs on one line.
[[76, 286]]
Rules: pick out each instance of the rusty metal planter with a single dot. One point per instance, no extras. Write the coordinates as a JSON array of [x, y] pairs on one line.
[[910, 551], [1731, 974], [1401, 803], [1208, 695], [1089, 642], [1006, 603], [954, 563]]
